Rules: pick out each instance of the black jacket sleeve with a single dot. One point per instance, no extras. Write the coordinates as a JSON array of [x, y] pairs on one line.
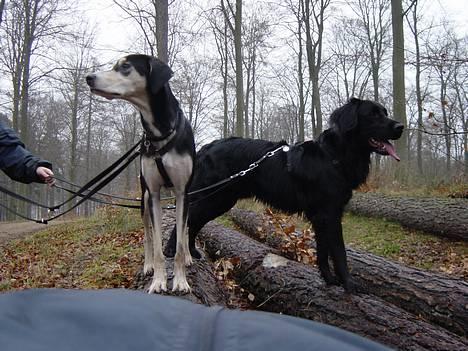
[[17, 162]]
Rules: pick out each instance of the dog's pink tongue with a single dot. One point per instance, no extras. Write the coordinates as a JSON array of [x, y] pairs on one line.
[[391, 150]]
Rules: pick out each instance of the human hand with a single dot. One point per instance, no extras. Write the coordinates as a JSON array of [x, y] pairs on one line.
[[46, 175]]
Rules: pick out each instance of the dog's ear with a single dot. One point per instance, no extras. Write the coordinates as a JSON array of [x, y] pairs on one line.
[[159, 74], [345, 118]]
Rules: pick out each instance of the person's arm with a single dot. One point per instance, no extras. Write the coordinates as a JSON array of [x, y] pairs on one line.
[[20, 164]]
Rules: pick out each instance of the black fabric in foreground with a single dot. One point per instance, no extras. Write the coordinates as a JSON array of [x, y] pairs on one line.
[[54, 319]]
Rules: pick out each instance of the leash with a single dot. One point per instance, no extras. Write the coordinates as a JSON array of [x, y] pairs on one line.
[[95, 199], [252, 166], [101, 175], [98, 187], [99, 193], [107, 178]]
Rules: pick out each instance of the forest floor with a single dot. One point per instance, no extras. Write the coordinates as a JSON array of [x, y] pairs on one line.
[[106, 251], [17, 230]]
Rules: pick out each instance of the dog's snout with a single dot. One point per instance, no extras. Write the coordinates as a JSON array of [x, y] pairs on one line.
[[399, 127], [90, 79]]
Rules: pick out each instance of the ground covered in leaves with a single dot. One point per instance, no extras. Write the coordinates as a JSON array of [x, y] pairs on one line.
[[104, 251]]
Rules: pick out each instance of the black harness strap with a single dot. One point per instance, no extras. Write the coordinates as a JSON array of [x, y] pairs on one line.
[[173, 135], [167, 180]]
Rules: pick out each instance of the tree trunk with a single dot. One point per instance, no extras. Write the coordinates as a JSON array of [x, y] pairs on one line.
[[443, 104], [239, 73], [398, 69], [439, 299], [2, 6], [443, 217], [419, 97], [283, 286], [162, 22]]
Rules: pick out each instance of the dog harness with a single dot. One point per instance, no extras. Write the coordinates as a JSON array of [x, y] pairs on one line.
[[148, 142]]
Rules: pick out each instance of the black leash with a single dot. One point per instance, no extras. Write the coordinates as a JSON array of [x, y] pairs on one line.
[[106, 179], [98, 187], [99, 193], [252, 166], [101, 175], [22, 198], [95, 199]]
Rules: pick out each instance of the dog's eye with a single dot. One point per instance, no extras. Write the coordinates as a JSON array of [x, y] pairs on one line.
[[125, 66]]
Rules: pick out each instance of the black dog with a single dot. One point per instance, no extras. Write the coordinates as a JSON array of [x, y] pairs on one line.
[[167, 154], [315, 177]]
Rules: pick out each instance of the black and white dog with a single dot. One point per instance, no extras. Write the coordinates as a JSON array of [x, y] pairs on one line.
[[167, 155], [315, 177]]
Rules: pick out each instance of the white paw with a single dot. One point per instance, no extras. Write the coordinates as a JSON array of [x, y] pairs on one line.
[[148, 268], [188, 260], [158, 284], [181, 284]]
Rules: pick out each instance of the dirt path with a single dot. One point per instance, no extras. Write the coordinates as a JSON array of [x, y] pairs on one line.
[[17, 230]]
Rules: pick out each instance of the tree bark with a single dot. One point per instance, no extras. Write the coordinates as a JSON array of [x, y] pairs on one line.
[[239, 73], [161, 26], [437, 298], [2, 6], [443, 217], [398, 69], [283, 286]]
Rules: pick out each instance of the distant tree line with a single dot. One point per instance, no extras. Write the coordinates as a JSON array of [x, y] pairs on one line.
[[260, 69]]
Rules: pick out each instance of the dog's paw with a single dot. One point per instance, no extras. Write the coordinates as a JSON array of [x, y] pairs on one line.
[[350, 286], [329, 278], [148, 268], [159, 282], [188, 260], [181, 284]]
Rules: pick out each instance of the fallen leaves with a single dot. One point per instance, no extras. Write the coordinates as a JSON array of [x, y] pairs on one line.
[[295, 243], [86, 254]]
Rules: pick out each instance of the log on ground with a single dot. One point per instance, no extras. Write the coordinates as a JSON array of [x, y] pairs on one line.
[[439, 299], [439, 216], [284, 286], [206, 288]]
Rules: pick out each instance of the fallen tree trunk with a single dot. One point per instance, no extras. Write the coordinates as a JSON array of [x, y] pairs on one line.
[[444, 217], [284, 286], [437, 298], [206, 288]]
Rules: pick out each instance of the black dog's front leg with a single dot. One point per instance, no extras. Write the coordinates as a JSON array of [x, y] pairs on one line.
[[329, 237], [170, 249]]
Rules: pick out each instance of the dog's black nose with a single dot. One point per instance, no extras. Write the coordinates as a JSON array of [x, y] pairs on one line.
[[90, 79], [399, 127]]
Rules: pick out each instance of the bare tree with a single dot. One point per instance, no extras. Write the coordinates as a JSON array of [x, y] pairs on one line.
[[350, 65], [236, 30], [162, 22], [2, 6], [220, 31], [78, 64], [257, 30], [314, 16], [160, 30], [398, 73], [375, 20], [413, 25], [193, 87]]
